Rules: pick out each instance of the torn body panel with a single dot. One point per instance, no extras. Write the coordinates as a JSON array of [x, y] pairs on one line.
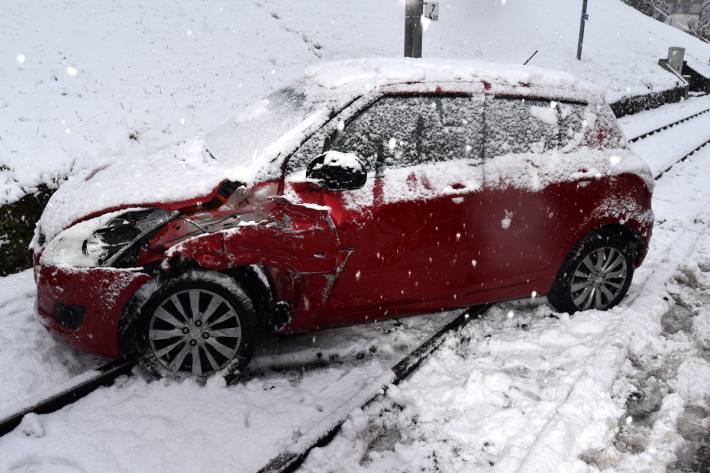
[[297, 246]]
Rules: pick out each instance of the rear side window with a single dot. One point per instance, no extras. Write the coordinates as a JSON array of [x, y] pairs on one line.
[[519, 125], [400, 131]]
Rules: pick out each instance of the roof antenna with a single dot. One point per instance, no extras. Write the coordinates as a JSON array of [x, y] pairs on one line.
[[530, 58]]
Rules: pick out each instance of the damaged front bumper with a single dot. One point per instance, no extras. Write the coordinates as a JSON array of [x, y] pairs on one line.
[[83, 306]]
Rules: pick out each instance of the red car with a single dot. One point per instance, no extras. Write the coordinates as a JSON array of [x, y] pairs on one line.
[[368, 190]]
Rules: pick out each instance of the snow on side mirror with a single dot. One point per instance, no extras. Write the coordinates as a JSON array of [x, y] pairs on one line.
[[338, 171]]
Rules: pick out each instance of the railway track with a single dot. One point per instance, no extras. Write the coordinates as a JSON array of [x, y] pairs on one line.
[[667, 126], [291, 458], [76, 388], [683, 158], [84, 384]]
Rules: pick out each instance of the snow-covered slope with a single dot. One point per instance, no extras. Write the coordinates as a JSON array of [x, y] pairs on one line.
[[86, 83]]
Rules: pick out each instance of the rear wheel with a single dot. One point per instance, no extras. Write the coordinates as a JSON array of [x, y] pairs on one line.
[[195, 325], [596, 274]]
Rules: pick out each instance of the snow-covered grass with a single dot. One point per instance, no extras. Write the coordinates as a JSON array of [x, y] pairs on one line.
[[85, 84]]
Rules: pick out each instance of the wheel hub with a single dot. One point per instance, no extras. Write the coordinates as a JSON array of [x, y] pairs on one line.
[[599, 278], [195, 330]]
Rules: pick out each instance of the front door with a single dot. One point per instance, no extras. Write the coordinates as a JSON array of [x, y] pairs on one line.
[[405, 228]]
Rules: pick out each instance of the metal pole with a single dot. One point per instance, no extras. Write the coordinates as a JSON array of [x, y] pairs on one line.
[[413, 11], [582, 21]]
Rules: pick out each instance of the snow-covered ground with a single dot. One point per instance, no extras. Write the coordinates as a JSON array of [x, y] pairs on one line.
[[660, 150], [524, 389], [83, 84], [650, 120]]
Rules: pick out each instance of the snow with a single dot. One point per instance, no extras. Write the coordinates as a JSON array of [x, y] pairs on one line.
[[67, 248], [505, 222], [307, 382], [659, 151], [185, 171], [523, 389], [535, 392], [644, 122], [373, 73], [151, 83], [341, 160]]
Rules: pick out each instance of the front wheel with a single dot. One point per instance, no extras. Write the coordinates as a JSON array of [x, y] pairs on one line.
[[596, 274], [195, 325]]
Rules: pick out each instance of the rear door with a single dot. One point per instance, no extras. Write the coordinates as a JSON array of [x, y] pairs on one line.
[[526, 150]]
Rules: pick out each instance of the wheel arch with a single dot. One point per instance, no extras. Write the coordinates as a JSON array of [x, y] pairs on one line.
[[627, 233], [254, 279]]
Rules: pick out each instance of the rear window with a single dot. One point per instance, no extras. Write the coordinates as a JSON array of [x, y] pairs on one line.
[[517, 125]]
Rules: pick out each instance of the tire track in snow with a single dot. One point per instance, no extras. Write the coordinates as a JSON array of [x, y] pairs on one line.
[[548, 440]]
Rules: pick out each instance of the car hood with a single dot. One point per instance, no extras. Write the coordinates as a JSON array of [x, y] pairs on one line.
[[177, 176]]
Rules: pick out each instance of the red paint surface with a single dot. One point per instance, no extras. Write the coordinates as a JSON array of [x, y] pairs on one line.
[[334, 264], [104, 293], [405, 257]]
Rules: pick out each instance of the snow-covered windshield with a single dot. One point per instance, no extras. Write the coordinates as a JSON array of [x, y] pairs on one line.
[[261, 128]]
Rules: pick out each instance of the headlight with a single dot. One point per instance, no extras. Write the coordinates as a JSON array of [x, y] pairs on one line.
[[117, 241]]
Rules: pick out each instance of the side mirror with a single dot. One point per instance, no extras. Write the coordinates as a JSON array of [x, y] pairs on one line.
[[338, 171]]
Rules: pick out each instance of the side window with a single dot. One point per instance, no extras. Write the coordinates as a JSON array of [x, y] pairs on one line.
[[400, 131], [519, 125], [572, 123]]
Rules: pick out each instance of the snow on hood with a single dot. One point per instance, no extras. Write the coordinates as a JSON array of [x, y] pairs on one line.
[[179, 172], [245, 149], [368, 74]]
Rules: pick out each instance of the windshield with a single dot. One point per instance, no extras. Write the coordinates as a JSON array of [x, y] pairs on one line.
[[266, 128]]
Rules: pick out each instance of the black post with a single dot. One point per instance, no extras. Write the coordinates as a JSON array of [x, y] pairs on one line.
[[413, 11], [582, 21]]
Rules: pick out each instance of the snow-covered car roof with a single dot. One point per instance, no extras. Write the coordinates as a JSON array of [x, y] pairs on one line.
[[360, 75], [257, 140]]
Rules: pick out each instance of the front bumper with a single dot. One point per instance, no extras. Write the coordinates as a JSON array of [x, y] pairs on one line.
[[83, 306]]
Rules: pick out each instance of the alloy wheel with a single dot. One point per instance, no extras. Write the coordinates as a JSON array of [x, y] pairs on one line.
[[195, 331], [599, 278]]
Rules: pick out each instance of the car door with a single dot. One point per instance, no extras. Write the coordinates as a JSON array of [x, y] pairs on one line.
[[406, 226], [427, 199], [355, 288], [525, 147]]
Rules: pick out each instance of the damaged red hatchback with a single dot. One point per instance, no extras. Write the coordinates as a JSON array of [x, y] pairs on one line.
[[368, 190]]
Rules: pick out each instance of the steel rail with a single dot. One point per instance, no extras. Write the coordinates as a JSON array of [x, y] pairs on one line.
[[683, 158], [666, 126], [84, 384], [290, 460]]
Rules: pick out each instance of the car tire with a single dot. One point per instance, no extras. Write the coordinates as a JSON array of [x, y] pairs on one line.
[[596, 274], [194, 325]]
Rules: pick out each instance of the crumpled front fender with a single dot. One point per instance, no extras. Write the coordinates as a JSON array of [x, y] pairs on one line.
[[296, 237]]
